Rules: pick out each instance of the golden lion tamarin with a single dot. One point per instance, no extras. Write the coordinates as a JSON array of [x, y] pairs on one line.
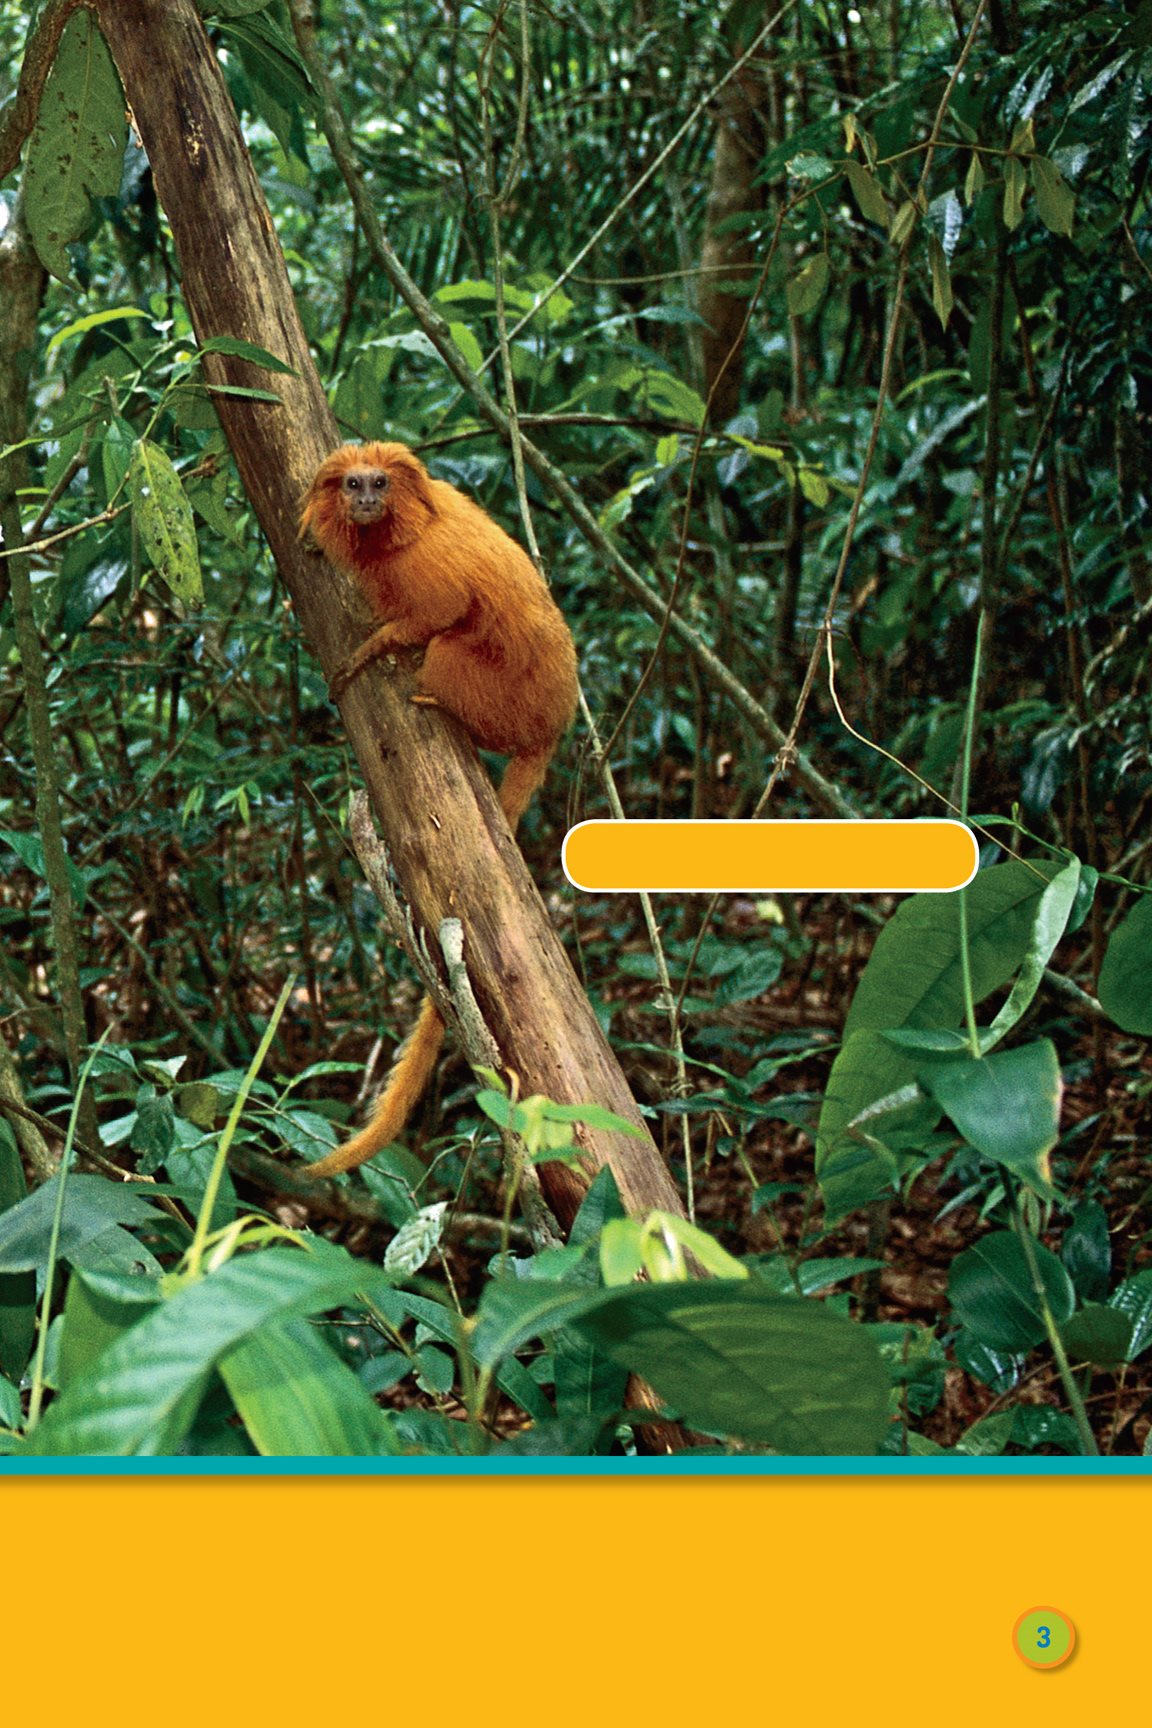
[[497, 653]]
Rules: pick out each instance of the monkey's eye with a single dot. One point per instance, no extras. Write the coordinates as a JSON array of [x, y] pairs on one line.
[[352, 483], [380, 482]]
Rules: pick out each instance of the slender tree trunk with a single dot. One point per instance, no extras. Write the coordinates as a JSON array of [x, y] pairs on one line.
[[728, 255], [448, 841], [22, 280]]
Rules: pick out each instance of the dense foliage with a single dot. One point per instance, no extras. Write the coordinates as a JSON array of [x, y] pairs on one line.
[[848, 351]]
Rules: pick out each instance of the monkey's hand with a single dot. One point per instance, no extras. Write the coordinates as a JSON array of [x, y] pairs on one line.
[[370, 649]]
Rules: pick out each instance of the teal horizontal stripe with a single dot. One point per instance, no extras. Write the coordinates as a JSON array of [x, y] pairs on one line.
[[625, 1468]]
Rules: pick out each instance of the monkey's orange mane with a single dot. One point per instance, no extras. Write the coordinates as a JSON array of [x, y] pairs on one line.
[[408, 507]]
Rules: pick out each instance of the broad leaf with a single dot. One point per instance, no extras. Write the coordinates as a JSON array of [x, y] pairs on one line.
[[76, 152], [991, 1289], [299, 1400], [734, 1359]]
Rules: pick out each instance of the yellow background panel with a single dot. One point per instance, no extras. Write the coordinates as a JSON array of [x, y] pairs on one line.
[[585, 1601], [889, 855]]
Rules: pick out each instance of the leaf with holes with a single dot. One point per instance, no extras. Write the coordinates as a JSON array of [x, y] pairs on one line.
[[163, 518], [76, 152]]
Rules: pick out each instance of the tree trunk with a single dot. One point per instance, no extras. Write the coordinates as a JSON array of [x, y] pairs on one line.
[[728, 256], [448, 841]]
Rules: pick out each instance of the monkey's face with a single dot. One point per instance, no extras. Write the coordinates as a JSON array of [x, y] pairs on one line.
[[364, 490]]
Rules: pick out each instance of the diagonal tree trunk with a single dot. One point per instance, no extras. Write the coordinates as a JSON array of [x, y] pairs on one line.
[[448, 842]]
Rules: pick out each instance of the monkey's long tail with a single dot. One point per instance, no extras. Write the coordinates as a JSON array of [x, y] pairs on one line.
[[523, 775], [412, 1072], [406, 1082]]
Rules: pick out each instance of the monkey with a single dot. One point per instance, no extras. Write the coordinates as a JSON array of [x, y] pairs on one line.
[[442, 575]]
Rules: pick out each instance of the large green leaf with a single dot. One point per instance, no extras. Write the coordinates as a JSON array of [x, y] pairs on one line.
[[92, 1206], [1126, 975], [991, 1289], [76, 152], [734, 1359], [1098, 1334], [914, 979], [98, 1309], [299, 1400], [1007, 1105], [141, 1394]]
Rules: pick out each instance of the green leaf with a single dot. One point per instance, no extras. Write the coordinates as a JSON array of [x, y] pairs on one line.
[[867, 193], [92, 1206], [154, 1130], [594, 1115], [1039, 1425], [297, 1399], [513, 1311], [814, 487], [468, 345], [76, 152], [115, 453], [517, 299], [990, 1288], [601, 1203], [999, 1369], [29, 848], [914, 979], [735, 1359], [914, 975], [568, 1437], [163, 518], [811, 1275], [903, 222], [246, 351], [98, 1309], [806, 289], [621, 1251], [1015, 182], [1098, 1334], [11, 1415], [141, 1396], [988, 1437], [1055, 200], [230, 8], [1051, 920], [1087, 1251], [1006, 1105], [1125, 992], [941, 280], [435, 1370], [444, 1323], [974, 179], [80, 326], [1134, 1298], [280, 87]]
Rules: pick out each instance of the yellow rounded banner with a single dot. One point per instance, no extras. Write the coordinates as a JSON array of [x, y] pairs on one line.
[[824, 857]]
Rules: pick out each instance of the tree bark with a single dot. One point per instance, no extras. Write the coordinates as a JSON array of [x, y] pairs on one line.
[[437, 812]]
